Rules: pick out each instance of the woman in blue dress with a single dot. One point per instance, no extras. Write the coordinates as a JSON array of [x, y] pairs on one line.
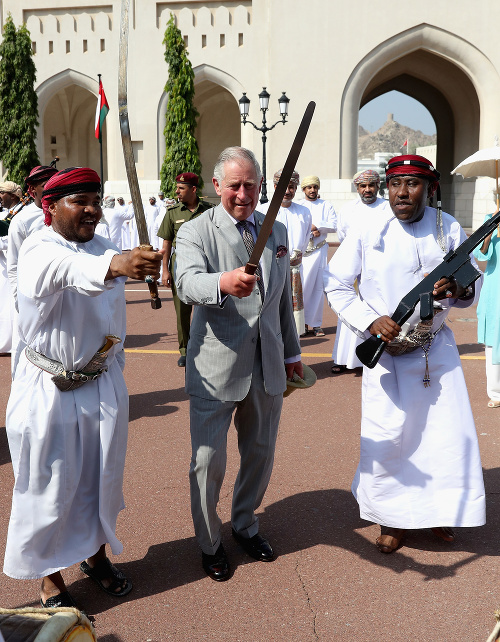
[[488, 314]]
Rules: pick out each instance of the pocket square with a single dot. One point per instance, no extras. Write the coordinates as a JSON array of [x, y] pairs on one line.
[[281, 251]]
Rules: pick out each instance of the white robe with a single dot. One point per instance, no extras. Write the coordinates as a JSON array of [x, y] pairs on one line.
[[6, 308], [324, 218], [30, 219], [67, 448], [117, 217], [132, 229], [349, 217], [150, 214], [419, 462], [125, 231], [297, 220]]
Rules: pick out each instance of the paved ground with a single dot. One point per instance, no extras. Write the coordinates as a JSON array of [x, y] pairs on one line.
[[329, 582]]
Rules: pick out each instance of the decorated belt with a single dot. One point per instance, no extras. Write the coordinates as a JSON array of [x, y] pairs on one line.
[[420, 336], [312, 248], [66, 380]]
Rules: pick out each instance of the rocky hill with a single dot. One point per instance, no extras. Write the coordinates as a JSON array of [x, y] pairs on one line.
[[390, 138]]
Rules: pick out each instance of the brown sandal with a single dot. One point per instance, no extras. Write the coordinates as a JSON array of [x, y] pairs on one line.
[[389, 541], [444, 532]]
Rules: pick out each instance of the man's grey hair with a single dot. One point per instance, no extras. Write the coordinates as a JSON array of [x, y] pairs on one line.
[[236, 155]]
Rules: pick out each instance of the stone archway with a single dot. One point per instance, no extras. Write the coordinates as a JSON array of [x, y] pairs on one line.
[[67, 104], [219, 121], [451, 78]]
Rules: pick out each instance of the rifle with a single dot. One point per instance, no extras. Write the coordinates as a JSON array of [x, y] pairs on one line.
[[456, 264]]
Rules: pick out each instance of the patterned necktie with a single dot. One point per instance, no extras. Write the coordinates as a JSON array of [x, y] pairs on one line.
[[249, 244]]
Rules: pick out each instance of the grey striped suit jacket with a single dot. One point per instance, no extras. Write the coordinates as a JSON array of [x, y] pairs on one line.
[[223, 339]]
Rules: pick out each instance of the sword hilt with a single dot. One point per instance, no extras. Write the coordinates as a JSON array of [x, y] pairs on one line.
[[250, 268], [152, 284]]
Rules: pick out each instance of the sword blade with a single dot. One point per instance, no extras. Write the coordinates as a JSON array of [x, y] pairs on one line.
[[281, 188], [128, 151]]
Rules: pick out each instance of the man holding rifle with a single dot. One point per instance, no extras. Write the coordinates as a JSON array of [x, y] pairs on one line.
[[419, 463], [242, 347]]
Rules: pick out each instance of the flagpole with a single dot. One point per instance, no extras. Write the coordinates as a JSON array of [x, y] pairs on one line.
[[100, 150]]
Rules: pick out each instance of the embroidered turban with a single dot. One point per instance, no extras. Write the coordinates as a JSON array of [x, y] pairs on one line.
[[309, 180], [295, 178], [368, 176], [72, 180], [11, 188], [109, 201], [39, 174]]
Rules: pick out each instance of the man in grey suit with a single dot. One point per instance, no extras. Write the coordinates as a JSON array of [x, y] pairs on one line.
[[243, 345]]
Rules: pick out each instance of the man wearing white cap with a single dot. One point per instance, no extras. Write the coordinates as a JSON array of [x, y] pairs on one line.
[[297, 220], [367, 203], [315, 259]]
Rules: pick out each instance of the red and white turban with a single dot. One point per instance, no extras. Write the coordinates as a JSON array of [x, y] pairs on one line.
[[39, 174], [72, 180], [413, 165]]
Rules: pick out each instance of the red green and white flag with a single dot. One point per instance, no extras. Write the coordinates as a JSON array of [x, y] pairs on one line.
[[101, 111]]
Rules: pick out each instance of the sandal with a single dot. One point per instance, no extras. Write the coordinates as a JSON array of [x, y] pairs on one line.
[[493, 404], [104, 570], [338, 369], [318, 332], [57, 601], [444, 533], [387, 543]]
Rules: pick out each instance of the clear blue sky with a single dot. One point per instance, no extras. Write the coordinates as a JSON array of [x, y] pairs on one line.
[[407, 111]]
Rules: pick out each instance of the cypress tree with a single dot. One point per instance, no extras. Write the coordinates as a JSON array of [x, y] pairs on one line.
[[18, 103], [182, 153]]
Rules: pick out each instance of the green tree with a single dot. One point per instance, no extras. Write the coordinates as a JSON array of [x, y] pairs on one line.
[[182, 153], [18, 103]]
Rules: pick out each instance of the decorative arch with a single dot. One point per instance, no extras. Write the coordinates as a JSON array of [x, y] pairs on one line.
[[442, 47], [50, 87], [66, 113], [213, 88]]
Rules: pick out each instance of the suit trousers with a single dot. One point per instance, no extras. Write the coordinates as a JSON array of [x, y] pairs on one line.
[[256, 419]]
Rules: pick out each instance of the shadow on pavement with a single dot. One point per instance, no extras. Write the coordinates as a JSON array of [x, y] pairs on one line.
[[301, 522], [323, 370], [470, 348], [155, 404], [4, 447], [144, 340]]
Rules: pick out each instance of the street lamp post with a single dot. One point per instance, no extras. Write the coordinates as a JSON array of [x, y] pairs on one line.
[[244, 104]]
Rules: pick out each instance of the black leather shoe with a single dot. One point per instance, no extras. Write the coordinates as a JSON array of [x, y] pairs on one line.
[[216, 566], [181, 362], [257, 546]]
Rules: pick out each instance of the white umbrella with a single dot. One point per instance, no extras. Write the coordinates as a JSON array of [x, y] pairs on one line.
[[482, 163]]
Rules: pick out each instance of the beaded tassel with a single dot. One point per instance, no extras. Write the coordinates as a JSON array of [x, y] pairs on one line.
[[427, 377]]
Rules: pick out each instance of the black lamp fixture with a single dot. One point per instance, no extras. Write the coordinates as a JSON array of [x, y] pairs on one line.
[[244, 105]]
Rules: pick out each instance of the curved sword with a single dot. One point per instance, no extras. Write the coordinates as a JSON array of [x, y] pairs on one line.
[[281, 187], [128, 152]]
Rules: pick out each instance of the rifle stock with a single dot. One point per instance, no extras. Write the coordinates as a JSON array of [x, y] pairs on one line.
[[455, 264]]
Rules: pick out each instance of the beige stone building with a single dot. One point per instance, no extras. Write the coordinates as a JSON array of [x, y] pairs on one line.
[[337, 53]]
